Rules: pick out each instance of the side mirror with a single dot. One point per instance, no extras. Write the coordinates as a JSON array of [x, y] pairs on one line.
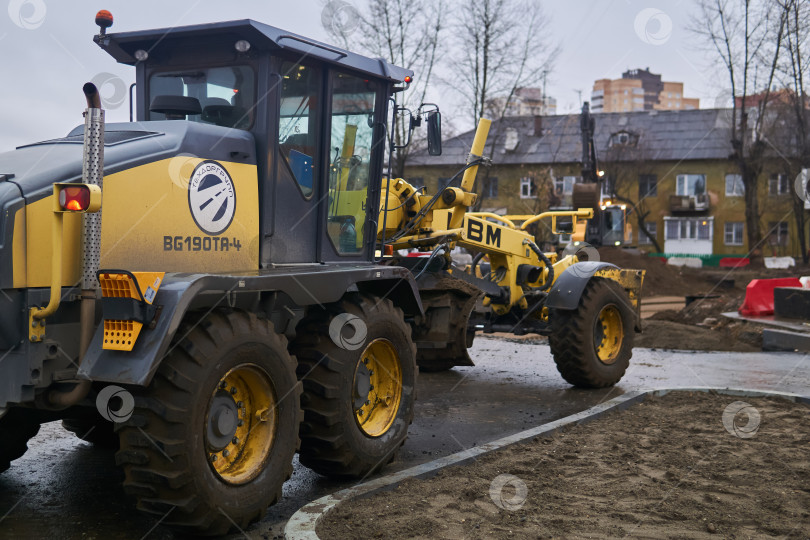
[[434, 133]]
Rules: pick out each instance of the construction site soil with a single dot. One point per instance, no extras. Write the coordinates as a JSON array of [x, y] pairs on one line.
[[700, 325], [669, 467]]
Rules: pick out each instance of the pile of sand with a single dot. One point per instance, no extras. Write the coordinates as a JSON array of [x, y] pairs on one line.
[[666, 468]]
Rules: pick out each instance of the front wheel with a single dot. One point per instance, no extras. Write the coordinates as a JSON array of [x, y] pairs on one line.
[[212, 438], [593, 343], [358, 365]]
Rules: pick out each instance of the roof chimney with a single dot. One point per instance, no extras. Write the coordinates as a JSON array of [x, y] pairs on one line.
[[538, 126]]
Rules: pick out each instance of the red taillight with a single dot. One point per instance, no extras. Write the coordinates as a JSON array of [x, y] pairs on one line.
[[74, 198], [408, 79]]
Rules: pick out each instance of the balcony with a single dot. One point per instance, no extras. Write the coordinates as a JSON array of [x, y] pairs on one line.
[[688, 203]]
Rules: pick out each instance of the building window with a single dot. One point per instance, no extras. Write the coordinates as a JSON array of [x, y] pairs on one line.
[[491, 187], [564, 185], [417, 182], [688, 229], [778, 184], [778, 233], [704, 230], [673, 229], [443, 182], [623, 138], [647, 185], [690, 184], [734, 233], [527, 189], [652, 228], [734, 185]]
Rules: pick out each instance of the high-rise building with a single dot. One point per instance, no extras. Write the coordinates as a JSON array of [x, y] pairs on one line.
[[525, 102], [639, 90]]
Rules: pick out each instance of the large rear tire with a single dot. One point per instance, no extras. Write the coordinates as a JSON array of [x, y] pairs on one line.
[[592, 344], [358, 393], [17, 427], [212, 438]]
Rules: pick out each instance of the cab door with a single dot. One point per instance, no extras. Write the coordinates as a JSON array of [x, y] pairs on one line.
[[297, 165], [356, 145]]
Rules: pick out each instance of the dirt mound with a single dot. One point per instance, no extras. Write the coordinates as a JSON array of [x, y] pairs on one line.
[[661, 279], [665, 468], [668, 334]]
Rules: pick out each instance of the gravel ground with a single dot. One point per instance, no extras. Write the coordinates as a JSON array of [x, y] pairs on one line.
[[680, 466]]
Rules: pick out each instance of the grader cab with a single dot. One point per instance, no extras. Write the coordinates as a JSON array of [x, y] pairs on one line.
[[212, 287]]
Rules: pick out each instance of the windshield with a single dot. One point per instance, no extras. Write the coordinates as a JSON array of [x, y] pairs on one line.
[[226, 94]]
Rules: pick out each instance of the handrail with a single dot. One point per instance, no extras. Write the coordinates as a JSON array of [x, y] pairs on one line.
[[491, 215], [584, 213]]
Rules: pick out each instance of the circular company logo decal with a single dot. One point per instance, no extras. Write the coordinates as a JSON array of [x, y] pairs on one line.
[[211, 197]]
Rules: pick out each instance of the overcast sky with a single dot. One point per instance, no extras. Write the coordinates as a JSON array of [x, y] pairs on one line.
[[47, 52]]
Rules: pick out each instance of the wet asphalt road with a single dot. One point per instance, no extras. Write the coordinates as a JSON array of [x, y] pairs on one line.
[[65, 488]]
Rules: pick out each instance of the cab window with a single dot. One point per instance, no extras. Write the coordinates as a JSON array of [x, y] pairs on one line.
[[350, 151], [227, 95], [298, 122]]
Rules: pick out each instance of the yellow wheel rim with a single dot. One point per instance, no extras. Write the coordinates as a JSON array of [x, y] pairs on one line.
[[377, 388], [608, 334], [241, 424]]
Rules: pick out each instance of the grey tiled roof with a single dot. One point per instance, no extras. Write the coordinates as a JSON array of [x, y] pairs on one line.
[[662, 136]]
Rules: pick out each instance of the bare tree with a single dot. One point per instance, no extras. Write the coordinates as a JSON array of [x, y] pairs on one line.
[[746, 36], [499, 46], [404, 32], [624, 165], [793, 73]]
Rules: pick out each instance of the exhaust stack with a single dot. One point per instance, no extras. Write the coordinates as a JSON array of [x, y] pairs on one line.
[[92, 173]]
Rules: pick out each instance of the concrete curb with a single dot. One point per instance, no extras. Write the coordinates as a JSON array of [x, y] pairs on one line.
[[302, 524]]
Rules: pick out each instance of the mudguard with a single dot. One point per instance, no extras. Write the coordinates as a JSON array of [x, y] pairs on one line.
[[316, 284], [568, 288]]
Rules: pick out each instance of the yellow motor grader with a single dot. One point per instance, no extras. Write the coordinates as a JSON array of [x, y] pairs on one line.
[[212, 287]]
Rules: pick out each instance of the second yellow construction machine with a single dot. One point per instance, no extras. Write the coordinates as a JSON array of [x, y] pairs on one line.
[[588, 309]]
